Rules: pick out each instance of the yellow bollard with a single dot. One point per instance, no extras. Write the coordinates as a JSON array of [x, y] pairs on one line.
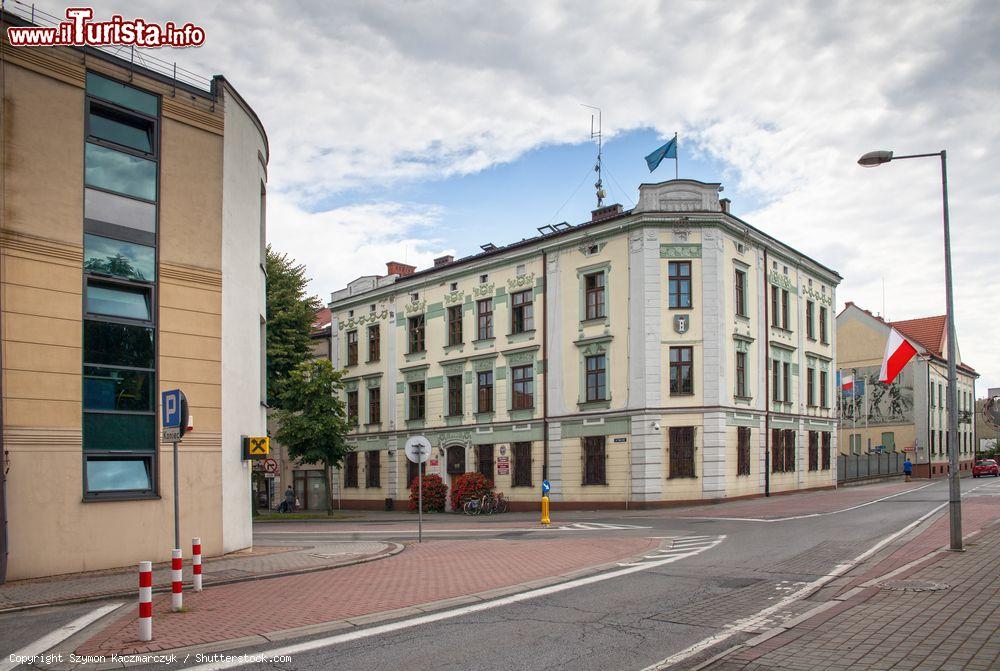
[[545, 511]]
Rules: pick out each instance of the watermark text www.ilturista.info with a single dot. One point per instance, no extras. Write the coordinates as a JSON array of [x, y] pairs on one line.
[[80, 30]]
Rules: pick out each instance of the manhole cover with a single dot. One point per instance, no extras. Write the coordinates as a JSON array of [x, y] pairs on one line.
[[739, 583], [914, 585]]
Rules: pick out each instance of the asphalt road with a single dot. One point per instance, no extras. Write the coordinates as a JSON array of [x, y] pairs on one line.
[[626, 622]]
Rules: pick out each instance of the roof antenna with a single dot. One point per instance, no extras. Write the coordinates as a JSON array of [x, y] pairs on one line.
[[596, 135]]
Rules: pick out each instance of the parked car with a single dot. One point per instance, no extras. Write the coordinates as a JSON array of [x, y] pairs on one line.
[[986, 467]]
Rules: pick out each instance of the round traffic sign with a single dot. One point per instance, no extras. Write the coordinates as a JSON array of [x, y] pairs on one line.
[[418, 449], [270, 466]]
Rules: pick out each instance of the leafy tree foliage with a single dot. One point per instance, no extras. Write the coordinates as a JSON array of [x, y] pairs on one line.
[[290, 315], [312, 419]]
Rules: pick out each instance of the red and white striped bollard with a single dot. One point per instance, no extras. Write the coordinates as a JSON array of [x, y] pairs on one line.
[[145, 601], [176, 576], [196, 563]]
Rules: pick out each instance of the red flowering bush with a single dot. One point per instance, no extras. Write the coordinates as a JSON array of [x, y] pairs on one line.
[[434, 494], [469, 486]]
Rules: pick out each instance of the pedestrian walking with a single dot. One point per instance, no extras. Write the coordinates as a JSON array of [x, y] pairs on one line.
[[907, 469], [288, 505]]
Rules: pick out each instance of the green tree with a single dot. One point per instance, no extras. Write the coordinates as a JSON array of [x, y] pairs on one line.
[[290, 315], [312, 419]]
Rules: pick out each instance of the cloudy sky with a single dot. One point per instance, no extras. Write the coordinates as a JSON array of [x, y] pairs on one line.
[[404, 130]]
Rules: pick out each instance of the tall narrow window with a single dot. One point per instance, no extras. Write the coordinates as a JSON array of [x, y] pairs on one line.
[[594, 295], [522, 314], [523, 383], [786, 382], [352, 348], [814, 450], [417, 391], [595, 373], [374, 405], [777, 451], [810, 330], [373, 469], [742, 450], [776, 380], [826, 450], [522, 465], [788, 443], [775, 314], [411, 472], [454, 395], [784, 309], [119, 367], [740, 282], [484, 312], [681, 451], [374, 343], [594, 461], [679, 277], [822, 325], [681, 370], [415, 330], [823, 402], [484, 461], [351, 469], [484, 387], [810, 386], [455, 325], [741, 374], [352, 407]]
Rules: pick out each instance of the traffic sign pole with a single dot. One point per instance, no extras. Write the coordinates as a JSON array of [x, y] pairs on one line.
[[418, 450], [177, 503], [420, 500]]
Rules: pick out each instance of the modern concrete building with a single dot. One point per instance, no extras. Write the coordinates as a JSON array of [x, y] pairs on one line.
[[668, 353], [910, 413], [132, 262]]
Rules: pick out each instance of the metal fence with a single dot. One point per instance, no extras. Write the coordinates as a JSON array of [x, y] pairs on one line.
[[873, 465]]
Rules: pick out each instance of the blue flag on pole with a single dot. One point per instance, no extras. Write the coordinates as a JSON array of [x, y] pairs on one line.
[[669, 150]]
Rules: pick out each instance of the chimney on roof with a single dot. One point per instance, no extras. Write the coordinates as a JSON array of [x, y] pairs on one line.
[[606, 212], [724, 203], [397, 268], [443, 260]]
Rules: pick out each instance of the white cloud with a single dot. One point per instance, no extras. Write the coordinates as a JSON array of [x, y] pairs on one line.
[[357, 96]]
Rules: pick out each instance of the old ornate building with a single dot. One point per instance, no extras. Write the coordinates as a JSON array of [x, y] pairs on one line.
[[668, 353]]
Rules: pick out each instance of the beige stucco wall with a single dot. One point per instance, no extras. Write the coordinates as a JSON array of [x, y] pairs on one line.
[[51, 529]]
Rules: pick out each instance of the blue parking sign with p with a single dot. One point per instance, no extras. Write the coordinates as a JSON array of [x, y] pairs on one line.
[[171, 408]]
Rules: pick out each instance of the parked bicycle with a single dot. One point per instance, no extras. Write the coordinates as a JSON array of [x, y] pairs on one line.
[[487, 504]]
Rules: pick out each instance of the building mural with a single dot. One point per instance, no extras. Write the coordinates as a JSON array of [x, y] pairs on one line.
[[877, 404]]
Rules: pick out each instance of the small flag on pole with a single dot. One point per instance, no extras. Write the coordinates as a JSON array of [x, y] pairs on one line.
[[898, 351], [669, 150], [847, 382]]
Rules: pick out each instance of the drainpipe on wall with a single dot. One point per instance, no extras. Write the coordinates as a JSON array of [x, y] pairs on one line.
[[4, 547], [545, 358], [767, 381]]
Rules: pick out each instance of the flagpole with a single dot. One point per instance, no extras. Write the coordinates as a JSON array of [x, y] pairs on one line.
[[677, 159]]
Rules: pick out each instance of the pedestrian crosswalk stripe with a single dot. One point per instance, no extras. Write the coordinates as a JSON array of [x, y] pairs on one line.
[[679, 548], [598, 526]]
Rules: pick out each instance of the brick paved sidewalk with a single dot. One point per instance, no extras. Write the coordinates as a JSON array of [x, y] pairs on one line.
[[424, 573], [877, 628], [244, 565]]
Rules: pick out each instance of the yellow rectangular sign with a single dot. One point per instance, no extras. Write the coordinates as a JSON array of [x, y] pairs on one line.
[[256, 447]]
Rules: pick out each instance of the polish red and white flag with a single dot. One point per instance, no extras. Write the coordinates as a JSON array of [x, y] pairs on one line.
[[847, 382], [898, 351]]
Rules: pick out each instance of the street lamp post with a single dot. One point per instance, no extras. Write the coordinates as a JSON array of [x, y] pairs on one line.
[[877, 158]]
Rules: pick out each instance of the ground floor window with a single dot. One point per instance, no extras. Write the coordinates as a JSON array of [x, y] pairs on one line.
[[777, 451], [411, 472], [484, 461], [743, 450], [814, 450], [826, 450], [522, 465], [681, 451], [373, 469], [351, 469], [594, 458], [789, 444]]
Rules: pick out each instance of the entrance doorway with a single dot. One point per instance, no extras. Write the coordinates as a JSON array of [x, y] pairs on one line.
[[310, 489], [456, 460]]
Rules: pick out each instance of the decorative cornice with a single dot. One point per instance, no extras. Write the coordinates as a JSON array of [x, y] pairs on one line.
[[521, 282], [483, 290], [817, 296], [369, 318], [415, 306], [781, 280], [453, 297]]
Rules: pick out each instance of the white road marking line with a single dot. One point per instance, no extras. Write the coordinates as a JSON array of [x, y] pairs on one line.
[[579, 526], [328, 641], [811, 515], [58, 636], [754, 621]]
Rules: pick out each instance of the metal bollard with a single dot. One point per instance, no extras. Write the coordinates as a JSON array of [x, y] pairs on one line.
[[176, 576], [545, 511], [145, 601], [196, 563]]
